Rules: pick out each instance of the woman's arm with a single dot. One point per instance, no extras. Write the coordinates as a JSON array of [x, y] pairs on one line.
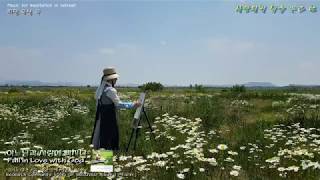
[[112, 94]]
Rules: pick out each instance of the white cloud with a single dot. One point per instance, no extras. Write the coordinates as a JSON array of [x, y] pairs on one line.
[[121, 49], [163, 43], [107, 51], [128, 47], [19, 63], [227, 47], [49, 65]]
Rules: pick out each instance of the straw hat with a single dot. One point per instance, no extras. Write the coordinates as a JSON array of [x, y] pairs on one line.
[[110, 73]]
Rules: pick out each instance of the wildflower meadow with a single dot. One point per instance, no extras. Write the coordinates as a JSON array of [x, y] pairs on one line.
[[211, 134]]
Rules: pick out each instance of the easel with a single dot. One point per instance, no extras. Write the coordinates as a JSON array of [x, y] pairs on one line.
[[137, 121]]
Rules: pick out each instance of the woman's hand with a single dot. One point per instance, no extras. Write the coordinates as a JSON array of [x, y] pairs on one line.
[[137, 104]]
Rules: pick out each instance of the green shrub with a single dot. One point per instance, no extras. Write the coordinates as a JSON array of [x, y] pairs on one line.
[[238, 88], [152, 86], [14, 90], [199, 88]]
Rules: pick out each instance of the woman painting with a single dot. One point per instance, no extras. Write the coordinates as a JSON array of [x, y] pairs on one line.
[[106, 133]]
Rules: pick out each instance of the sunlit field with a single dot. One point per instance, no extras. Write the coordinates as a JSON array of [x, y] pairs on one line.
[[207, 134]]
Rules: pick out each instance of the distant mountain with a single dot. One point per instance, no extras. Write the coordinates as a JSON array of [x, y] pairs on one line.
[[40, 83], [259, 84], [303, 85], [36, 83]]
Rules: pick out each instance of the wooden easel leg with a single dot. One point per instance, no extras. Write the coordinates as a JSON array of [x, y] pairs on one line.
[[137, 134], [150, 127], [132, 132], [135, 130]]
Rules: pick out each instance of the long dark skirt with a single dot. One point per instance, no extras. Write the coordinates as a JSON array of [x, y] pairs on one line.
[[105, 133]]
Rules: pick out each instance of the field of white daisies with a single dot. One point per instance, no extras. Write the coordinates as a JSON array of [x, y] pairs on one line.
[[212, 134]]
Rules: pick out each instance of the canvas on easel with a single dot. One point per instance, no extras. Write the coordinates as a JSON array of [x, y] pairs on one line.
[[137, 121]]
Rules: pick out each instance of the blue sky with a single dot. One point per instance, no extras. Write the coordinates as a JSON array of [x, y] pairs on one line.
[[172, 42]]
